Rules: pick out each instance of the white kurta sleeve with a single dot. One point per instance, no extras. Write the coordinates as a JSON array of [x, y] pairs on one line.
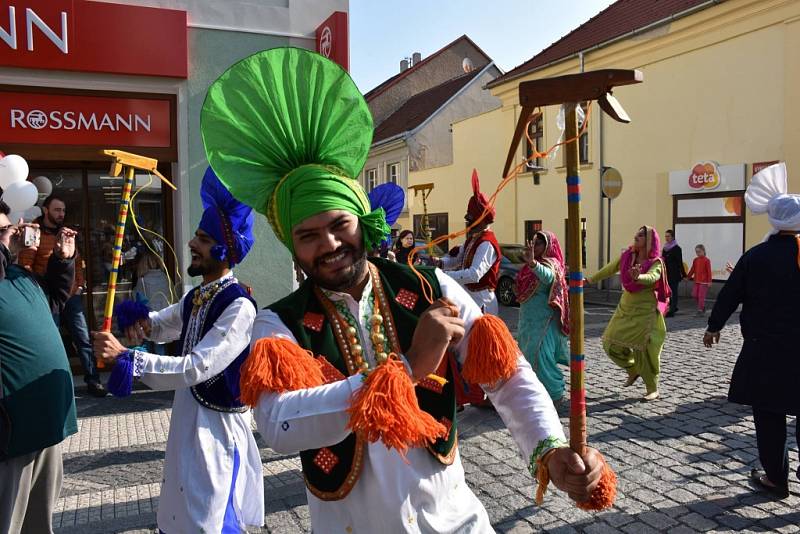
[[305, 419], [450, 262], [521, 401], [222, 344], [166, 324], [482, 261]]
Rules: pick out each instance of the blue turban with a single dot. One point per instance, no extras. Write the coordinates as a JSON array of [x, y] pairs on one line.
[[225, 219]]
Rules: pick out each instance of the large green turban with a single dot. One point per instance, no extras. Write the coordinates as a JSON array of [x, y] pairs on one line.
[[288, 132]]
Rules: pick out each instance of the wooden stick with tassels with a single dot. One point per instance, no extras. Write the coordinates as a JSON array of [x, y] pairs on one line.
[[127, 162], [570, 90]]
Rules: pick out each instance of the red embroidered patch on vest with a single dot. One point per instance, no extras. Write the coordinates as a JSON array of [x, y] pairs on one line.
[[313, 321], [326, 460], [329, 372], [431, 385], [406, 299]]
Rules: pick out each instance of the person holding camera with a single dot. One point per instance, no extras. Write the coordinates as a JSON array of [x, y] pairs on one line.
[[37, 404], [54, 210]]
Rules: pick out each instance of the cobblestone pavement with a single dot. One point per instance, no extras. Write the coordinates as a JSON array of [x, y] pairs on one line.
[[683, 461]]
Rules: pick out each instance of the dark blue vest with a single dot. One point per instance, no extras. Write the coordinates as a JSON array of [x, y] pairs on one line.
[[220, 392]]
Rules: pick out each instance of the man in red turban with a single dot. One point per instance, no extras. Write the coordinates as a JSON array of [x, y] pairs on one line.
[[477, 265]]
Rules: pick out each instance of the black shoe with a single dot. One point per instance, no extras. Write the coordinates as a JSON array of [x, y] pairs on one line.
[[760, 481], [670, 314], [96, 389]]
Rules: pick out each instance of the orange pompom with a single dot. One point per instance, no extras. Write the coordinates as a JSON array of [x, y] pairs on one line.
[[492, 353], [605, 493], [277, 365], [386, 408]]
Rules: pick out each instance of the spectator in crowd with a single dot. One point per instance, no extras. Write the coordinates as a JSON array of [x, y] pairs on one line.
[[700, 274], [37, 405], [403, 246], [54, 210], [152, 284], [673, 260]]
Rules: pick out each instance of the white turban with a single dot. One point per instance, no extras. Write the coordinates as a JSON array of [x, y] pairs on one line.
[[767, 193]]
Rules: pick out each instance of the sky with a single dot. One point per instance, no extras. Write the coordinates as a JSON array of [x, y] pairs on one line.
[[383, 32]]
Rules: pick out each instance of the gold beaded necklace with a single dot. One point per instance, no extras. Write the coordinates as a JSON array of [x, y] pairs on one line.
[[381, 328]]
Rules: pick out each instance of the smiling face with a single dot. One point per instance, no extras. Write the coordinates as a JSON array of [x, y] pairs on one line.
[[203, 264], [329, 248]]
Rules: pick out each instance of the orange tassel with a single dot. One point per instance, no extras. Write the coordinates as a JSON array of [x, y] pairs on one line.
[[542, 477], [386, 408], [602, 497], [492, 353], [277, 365], [605, 493]]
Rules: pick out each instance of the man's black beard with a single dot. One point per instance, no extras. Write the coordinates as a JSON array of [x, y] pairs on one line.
[[50, 223], [351, 280], [199, 270]]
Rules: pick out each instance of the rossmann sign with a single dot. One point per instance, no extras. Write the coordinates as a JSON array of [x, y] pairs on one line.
[[39, 118]]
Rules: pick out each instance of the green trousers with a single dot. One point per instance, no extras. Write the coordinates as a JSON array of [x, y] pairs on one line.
[[646, 363]]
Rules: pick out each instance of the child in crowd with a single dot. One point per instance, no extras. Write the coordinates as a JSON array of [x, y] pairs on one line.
[[700, 273]]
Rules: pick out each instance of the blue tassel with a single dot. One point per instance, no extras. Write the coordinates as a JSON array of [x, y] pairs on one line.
[[130, 311], [120, 383]]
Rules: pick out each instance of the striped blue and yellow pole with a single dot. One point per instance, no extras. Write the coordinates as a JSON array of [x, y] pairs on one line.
[[122, 217], [577, 420]]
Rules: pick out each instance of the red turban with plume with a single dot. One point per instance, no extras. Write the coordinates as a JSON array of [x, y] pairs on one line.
[[479, 202]]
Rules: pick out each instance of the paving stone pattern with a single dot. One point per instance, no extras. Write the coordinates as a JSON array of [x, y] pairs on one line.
[[683, 461]]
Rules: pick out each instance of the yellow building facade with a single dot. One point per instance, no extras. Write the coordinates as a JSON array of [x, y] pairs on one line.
[[719, 86]]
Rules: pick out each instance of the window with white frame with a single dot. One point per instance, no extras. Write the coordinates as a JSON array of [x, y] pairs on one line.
[[370, 179], [393, 173]]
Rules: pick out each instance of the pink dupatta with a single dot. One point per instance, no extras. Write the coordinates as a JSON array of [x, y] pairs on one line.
[[661, 288], [527, 282]]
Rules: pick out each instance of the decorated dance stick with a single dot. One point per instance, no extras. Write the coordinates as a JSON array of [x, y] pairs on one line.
[[127, 162], [570, 90]]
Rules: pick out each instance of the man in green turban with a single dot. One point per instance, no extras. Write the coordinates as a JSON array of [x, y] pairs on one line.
[[349, 370]]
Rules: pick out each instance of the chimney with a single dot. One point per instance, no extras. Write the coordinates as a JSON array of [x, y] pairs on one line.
[[467, 65], [403, 65], [416, 57]]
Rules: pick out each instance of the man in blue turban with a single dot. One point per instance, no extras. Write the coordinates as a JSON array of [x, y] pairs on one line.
[[212, 472]]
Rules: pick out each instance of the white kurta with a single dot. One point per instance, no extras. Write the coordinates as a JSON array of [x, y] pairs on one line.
[[198, 469], [393, 496], [482, 262]]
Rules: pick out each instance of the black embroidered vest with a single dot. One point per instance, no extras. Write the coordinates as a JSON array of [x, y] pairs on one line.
[[220, 392], [331, 472]]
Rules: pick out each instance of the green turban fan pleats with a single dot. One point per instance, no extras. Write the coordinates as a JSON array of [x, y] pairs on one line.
[[288, 132]]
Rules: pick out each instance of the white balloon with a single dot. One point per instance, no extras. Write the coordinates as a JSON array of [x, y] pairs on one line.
[[32, 213], [13, 168], [20, 195], [15, 216], [43, 185]]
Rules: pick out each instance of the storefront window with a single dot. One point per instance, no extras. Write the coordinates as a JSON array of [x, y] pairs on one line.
[[93, 200], [715, 220]]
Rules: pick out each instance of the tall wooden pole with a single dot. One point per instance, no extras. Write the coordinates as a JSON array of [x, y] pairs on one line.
[[577, 421], [117, 251]]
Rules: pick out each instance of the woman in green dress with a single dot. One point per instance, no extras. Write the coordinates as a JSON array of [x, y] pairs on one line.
[[542, 291], [636, 332]]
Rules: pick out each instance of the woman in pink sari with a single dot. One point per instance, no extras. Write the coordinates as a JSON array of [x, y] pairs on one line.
[[635, 335], [542, 292]]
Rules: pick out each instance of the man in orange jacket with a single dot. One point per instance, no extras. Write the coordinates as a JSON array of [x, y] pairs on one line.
[[54, 210]]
